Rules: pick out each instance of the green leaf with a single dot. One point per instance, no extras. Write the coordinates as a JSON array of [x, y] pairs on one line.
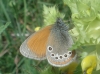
[[98, 50], [51, 14], [98, 57], [78, 69], [3, 27], [50, 70], [86, 17], [28, 67], [96, 72]]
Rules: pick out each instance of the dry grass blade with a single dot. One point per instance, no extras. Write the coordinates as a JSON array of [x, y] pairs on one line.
[[3, 52]]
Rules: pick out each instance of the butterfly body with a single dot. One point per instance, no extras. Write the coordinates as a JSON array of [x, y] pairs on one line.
[[52, 42]]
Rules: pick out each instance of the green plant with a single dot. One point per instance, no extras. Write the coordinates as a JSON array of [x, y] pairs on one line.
[[19, 18]]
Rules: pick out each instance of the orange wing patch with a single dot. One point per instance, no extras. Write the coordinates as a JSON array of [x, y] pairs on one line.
[[37, 42]]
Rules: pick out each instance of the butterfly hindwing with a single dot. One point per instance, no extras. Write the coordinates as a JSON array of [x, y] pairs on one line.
[[58, 45]]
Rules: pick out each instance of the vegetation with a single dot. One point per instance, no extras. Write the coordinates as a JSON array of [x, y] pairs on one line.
[[20, 18]]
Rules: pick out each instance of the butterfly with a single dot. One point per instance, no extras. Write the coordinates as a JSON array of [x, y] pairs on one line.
[[51, 43]]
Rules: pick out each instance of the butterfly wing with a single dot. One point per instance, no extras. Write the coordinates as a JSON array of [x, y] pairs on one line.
[[57, 51], [59, 42], [34, 46]]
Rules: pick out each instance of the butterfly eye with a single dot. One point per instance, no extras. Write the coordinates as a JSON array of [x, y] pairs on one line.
[[50, 48], [65, 55]]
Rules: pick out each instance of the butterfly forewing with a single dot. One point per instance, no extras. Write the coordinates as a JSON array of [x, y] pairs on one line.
[[34, 47]]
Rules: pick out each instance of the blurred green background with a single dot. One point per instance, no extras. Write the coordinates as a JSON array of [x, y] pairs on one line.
[[18, 19]]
